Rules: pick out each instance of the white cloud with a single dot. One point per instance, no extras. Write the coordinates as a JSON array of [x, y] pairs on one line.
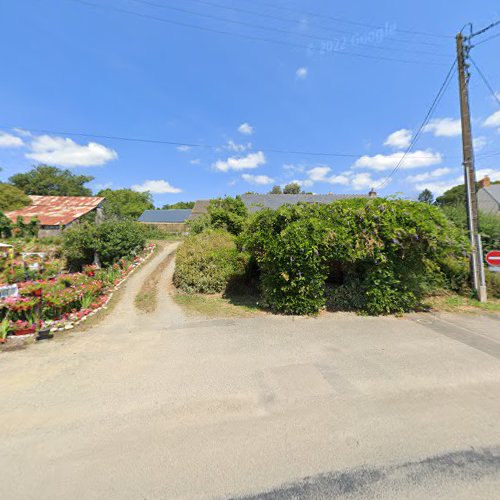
[[301, 73], [400, 139], [433, 174], [260, 180], [252, 160], [10, 141], [436, 187], [290, 168], [157, 187], [183, 148], [412, 160], [363, 180], [493, 120], [480, 143], [238, 148], [356, 181], [494, 175], [444, 127], [67, 153], [22, 132], [196, 161], [245, 129]]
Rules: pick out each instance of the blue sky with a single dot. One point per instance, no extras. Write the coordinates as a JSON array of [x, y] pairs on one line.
[[285, 78]]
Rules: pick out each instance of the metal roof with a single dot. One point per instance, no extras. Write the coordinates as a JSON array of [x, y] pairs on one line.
[[56, 210], [256, 202], [163, 216]]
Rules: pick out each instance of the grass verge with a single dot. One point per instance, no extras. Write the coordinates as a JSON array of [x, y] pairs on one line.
[[458, 303], [216, 306]]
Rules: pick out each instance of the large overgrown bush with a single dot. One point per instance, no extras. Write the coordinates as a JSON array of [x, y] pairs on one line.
[[112, 240], [385, 255], [207, 262]]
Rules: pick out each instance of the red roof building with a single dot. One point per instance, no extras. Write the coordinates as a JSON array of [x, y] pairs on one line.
[[56, 211]]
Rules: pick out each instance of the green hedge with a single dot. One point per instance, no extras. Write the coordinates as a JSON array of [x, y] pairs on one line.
[[208, 262], [378, 256]]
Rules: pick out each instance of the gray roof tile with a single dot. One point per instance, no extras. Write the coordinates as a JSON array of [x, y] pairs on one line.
[[162, 216], [255, 202]]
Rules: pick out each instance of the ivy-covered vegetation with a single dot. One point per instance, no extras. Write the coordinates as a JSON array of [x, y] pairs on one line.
[[374, 256], [379, 257]]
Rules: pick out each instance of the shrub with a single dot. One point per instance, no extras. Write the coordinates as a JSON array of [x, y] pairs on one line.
[[112, 240], [386, 254], [5, 226], [207, 262], [493, 284]]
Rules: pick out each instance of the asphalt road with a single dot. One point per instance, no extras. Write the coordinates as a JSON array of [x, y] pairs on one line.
[[164, 406]]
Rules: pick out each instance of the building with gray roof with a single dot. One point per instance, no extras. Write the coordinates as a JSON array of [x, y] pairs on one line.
[[256, 202], [174, 220], [488, 197]]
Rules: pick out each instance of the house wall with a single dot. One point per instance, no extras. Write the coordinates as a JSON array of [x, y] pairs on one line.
[[46, 231], [169, 227]]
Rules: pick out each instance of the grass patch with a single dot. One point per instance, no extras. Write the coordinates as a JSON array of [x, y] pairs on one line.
[[147, 298], [458, 303], [216, 306]]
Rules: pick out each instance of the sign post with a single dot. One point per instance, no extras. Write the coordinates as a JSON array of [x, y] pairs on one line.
[[493, 260]]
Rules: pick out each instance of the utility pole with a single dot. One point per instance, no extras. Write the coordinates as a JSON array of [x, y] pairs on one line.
[[478, 284]]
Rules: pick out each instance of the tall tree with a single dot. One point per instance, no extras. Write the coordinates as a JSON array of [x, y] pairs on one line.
[[179, 204], [12, 198], [292, 188], [276, 190], [426, 196], [125, 203], [52, 181]]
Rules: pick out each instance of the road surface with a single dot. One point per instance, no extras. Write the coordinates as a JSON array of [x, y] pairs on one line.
[[164, 406]]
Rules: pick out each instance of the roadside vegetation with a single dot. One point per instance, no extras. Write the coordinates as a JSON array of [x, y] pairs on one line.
[[377, 256]]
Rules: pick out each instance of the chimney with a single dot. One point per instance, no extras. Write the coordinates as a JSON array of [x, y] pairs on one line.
[[484, 183], [372, 193]]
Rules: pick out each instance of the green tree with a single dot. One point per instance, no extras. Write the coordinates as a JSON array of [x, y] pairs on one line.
[[112, 239], [52, 181], [292, 188], [125, 203], [228, 213], [453, 197], [178, 205], [276, 190], [426, 196], [12, 198]]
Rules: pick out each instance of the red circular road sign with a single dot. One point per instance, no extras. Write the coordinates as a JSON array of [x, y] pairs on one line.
[[493, 258]]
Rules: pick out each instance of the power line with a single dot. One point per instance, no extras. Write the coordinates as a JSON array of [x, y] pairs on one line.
[[294, 21], [355, 23], [484, 30], [485, 80], [270, 28], [183, 143], [428, 116], [249, 37], [487, 39]]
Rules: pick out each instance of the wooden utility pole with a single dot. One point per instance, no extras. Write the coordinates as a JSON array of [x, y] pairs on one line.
[[469, 169]]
